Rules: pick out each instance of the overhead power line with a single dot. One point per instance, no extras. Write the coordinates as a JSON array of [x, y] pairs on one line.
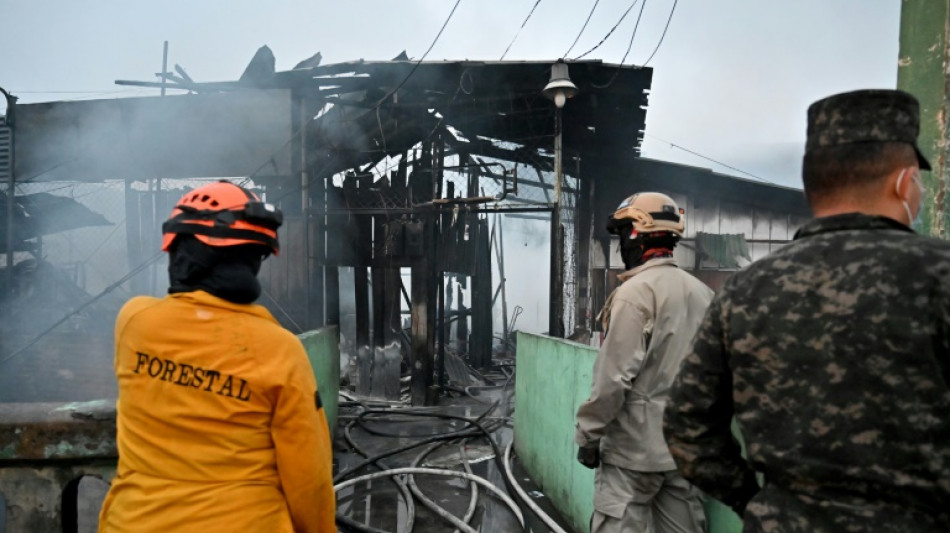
[[664, 33], [421, 59], [517, 33], [634, 34], [374, 108], [707, 158], [609, 33], [578, 38], [629, 46]]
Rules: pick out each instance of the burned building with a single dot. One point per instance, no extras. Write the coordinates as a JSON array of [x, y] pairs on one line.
[[395, 178]]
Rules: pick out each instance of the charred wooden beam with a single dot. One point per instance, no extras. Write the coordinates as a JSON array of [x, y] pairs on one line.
[[480, 342], [423, 323]]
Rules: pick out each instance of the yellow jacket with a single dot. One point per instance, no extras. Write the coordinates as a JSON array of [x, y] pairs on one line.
[[219, 423]]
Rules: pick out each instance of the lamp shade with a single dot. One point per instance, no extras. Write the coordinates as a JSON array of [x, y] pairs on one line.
[[560, 87]]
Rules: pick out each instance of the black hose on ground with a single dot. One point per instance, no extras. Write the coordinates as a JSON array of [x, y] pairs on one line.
[[498, 456], [406, 495], [463, 433]]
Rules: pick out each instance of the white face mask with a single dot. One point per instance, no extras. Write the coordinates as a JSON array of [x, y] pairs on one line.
[[912, 220]]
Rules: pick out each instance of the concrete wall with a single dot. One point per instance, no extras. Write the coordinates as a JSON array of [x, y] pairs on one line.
[[553, 379]]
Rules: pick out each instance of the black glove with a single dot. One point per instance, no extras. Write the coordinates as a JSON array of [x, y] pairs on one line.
[[589, 456]]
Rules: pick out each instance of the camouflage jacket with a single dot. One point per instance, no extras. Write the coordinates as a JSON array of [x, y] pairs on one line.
[[833, 354]]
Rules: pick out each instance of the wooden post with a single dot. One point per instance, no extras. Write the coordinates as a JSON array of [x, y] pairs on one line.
[[481, 339], [423, 330]]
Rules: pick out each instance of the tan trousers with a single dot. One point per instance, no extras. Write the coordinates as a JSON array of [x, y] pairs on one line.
[[626, 501]]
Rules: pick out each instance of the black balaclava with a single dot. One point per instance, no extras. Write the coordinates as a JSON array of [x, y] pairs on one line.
[[636, 250], [228, 272]]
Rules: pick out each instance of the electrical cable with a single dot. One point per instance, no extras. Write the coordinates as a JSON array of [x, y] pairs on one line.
[[439, 472], [629, 47], [634, 34], [517, 33], [282, 310], [609, 33], [584, 27], [707, 158], [663, 35], [375, 107], [82, 307], [548, 521], [421, 59]]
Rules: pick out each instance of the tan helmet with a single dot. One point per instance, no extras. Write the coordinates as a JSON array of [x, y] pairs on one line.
[[649, 212]]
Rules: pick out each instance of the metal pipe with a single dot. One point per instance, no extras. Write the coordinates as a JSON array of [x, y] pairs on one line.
[[164, 66], [11, 186]]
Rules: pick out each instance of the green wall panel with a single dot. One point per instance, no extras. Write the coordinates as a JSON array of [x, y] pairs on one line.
[[323, 350], [553, 379]]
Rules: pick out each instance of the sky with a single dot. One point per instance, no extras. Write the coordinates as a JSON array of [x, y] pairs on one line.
[[731, 82]]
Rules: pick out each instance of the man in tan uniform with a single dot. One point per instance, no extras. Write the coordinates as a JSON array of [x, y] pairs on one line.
[[649, 321]]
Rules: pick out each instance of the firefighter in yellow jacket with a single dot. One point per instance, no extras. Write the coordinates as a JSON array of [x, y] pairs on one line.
[[220, 426]]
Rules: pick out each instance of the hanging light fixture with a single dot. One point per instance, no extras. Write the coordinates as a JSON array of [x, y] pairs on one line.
[[560, 87]]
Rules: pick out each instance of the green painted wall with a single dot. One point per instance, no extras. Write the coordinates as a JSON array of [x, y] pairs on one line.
[[553, 379], [922, 71], [323, 350]]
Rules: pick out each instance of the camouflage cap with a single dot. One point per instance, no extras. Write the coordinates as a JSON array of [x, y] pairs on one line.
[[871, 115]]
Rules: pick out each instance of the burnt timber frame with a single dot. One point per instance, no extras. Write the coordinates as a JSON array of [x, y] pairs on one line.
[[346, 207]]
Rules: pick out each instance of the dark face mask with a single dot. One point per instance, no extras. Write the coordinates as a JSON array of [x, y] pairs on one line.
[[228, 272], [632, 250]]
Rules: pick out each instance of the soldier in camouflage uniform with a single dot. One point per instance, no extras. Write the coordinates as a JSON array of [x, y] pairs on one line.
[[833, 353]]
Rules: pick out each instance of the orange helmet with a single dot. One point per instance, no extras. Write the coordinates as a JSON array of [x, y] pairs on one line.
[[223, 214]]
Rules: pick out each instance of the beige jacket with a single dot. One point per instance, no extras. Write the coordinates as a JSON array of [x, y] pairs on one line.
[[650, 322]]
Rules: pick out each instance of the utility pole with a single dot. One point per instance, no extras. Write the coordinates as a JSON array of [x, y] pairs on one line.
[[559, 89]]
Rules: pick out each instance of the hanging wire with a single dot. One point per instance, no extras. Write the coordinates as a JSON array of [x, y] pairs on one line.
[[421, 59], [629, 46], [664, 33], [374, 108], [132, 273], [609, 33], [634, 34], [707, 158], [517, 33], [584, 27]]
